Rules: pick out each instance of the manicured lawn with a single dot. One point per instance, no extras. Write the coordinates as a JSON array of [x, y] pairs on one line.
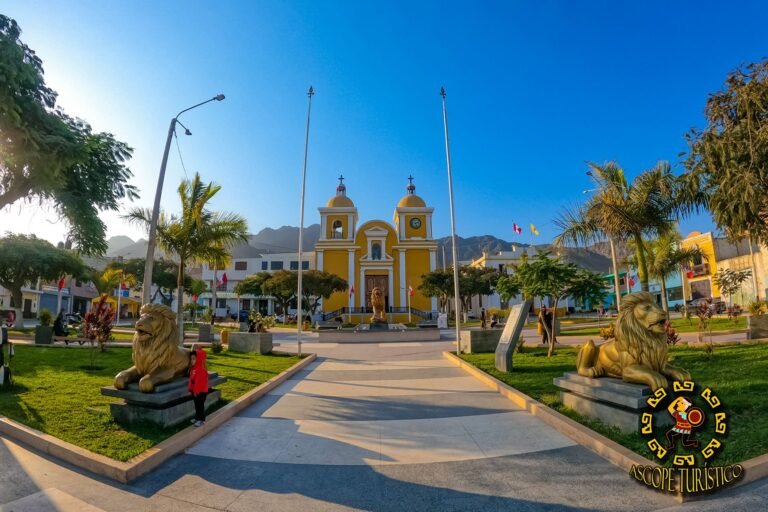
[[56, 393], [680, 324], [736, 373]]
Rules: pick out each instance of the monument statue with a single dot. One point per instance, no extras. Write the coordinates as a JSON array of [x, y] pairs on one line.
[[157, 358], [638, 353], [377, 302]]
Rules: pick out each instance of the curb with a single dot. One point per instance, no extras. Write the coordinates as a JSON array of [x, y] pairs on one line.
[[125, 472], [754, 469]]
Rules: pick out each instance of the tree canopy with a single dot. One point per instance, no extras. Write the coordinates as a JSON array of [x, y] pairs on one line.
[[26, 258], [728, 159], [164, 272], [318, 285], [49, 156], [253, 285]]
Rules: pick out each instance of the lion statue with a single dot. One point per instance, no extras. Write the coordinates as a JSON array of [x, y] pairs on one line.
[[377, 301], [157, 358], [639, 351]]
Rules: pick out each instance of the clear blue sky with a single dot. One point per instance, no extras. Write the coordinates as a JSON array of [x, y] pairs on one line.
[[534, 90]]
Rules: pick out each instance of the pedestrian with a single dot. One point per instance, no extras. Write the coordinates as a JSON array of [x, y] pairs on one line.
[[482, 318], [198, 384], [59, 326], [544, 317]]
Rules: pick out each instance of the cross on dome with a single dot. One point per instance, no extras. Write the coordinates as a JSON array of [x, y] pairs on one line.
[[411, 188], [342, 188]]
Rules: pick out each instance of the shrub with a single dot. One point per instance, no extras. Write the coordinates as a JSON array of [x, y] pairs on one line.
[[45, 317], [757, 307], [97, 324], [672, 336], [608, 332], [259, 323], [207, 316], [217, 347]]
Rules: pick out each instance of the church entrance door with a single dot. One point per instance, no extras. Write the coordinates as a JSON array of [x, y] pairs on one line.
[[380, 282]]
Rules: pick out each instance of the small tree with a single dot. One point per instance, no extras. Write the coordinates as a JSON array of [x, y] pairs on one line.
[[508, 287], [318, 285], [252, 285], [438, 283], [282, 286], [729, 281], [97, 324]]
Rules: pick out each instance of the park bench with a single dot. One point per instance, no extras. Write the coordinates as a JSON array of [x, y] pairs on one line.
[[67, 339]]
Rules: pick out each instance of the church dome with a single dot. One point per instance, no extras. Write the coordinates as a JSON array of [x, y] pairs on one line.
[[340, 200], [412, 201]]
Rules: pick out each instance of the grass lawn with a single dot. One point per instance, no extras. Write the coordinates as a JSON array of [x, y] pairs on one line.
[[56, 393], [680, 324], [736, 373]]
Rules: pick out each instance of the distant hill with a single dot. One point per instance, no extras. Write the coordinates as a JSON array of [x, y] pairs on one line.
[[286, 239]]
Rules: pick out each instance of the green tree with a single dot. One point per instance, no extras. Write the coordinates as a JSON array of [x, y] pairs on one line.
[[25, 259], [665, 257], [624, 210], [727, 164], [108, 280], [253, 285], [438, 283], [196, 288], [49, 156], [508, 287], [730, 281], [544, 276], [318, 285], [282, 285], [164, 272], [196, 235], [476, 281]]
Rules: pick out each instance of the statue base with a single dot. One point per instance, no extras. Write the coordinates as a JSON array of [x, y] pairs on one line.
[[612, 401], [169, 405], [379, 325]]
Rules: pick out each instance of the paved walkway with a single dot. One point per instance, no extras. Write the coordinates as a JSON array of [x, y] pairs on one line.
[[366, 427]]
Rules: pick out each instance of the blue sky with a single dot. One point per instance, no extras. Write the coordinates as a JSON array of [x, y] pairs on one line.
[[535, 89]]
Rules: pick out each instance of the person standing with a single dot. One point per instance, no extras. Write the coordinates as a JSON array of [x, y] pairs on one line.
[[198, 384], [482, 318]]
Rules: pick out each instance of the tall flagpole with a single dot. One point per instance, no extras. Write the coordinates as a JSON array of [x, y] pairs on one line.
[[300, 317], [453, 228]]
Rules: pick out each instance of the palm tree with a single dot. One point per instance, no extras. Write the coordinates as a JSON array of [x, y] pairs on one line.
[[665, 256], [108, 280], [197, 287], [623, 210], [196, 235]]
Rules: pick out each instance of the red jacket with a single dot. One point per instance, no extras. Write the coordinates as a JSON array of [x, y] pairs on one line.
[[198, 375]]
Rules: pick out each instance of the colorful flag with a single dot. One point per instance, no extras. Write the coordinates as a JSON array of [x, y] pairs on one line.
[[351, 290], [410, 290], [61, 284], [517, 229], [534, 230], [224, 278], [631, 281]]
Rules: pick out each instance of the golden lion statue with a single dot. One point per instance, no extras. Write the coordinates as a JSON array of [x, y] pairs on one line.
[[377, 301], [639, 351], [157, 358]]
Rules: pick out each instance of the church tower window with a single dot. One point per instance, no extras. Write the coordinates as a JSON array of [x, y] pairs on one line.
[[337, 230], [376, 251]]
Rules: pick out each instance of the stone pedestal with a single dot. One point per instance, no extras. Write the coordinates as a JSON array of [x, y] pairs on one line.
[[256, 342], [479, 340], [757, 327], [204, 333], [378, 326], [169, 405], [612, 401]]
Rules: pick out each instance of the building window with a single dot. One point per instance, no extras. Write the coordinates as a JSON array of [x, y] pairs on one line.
[[294, 265], [275, 265], [675, 293], [336, 232], [697, 259], [241, 265], [221, 303], [304, 265], [701, 289], [376, 251], [264, 265]]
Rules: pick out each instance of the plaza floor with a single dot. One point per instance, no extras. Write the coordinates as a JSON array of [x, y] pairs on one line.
[[365, 427]]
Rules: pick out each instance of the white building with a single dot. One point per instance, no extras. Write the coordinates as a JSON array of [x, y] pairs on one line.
[[247, 261]]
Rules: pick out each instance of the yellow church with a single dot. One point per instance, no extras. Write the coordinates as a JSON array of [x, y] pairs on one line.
[[376, 253]]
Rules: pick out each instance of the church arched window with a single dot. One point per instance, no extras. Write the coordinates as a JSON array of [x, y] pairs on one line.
[[337, 230], [376, 251]]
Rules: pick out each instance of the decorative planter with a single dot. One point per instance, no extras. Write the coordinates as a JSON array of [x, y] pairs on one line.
[[757, 327], [204, 333], [43, 335], [256, 342]]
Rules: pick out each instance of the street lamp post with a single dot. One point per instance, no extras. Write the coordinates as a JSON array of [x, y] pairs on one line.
[[299, 291], [152, 242], [453, 227]]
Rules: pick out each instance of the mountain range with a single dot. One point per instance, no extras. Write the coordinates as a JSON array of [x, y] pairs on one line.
[[285, 239]]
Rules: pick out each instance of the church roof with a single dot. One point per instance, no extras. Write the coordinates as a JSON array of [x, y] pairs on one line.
[[412, 201], [339, 201]]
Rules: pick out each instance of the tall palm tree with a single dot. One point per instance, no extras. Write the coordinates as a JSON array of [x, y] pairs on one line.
[[623, 210], [196, 235], [108, 280], [665, 256]]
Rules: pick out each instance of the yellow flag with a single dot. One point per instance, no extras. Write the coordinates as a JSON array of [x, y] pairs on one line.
[[534, 230]]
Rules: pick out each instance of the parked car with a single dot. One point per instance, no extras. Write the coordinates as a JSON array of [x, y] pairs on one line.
[[242, 316], [719, 305], [281, 319]]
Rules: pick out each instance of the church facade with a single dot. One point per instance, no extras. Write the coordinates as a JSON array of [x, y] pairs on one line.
[[390, 256]]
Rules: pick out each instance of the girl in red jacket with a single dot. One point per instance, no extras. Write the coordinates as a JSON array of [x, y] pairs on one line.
[[198, 384]]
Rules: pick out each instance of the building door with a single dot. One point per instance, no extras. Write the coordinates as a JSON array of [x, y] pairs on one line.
[[28, 309], [380, 282]]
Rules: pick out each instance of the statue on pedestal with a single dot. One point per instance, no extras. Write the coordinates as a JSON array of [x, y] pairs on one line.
[[377, 302]]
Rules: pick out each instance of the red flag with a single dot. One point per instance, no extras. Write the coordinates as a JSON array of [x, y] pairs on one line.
[[224, 278], [517, 229], [61, 284], [351, 290], [410, 290], [631, 281]]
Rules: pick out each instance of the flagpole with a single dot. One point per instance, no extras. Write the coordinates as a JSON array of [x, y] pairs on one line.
[[299, 304], [453, 227], [409, 303], [119, 293]]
